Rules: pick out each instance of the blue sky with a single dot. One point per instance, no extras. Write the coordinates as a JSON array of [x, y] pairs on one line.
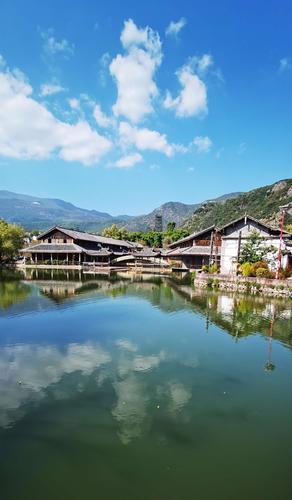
[[122, 106]]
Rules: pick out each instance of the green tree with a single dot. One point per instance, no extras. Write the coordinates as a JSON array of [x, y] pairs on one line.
[[11, 240], [114, 232], [170, 227], [255, 249]]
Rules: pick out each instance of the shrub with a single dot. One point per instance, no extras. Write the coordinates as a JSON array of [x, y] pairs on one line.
[[213, 269], [246, 269], [262, 272], [205, 269], [193, 276], [260, 264], [210, 283]]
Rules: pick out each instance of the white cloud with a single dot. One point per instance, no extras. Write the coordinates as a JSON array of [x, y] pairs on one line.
[[192, 100], [134, 72], [174, 28], [284, 64], [52, 46], [144, 139], [28, 130], [203, 144], [104, 63], [50, 89], [128, 161], [201, 64], [74, 103], [101, 119]]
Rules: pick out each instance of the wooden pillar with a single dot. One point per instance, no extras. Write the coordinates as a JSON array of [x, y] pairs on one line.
[[67, 258], [79, 259], [211, 247], [51, 258], [238, 246]]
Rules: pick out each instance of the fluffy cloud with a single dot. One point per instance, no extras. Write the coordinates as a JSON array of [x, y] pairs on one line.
[[144, 138], [101, 119], [174, 28], [129, 160], [74, 103], [50, 89], [192, 100], [28, 130], [203, 144], [284, 64], [134, 72], [52, 46]]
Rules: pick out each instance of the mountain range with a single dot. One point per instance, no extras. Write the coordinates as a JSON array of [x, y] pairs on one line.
[[263, 203], [40, 213]]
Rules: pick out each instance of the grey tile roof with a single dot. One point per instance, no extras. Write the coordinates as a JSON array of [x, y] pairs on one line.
[[80, 235], [191, 237], [99, 253], [52, 248], [194, 250]]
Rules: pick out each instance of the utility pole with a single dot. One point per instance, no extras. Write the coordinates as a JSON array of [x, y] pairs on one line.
[[282, 208]]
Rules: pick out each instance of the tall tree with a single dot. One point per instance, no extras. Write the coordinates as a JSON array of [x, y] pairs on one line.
[[11, 240]]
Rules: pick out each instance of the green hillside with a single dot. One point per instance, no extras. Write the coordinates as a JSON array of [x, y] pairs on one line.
[[262, 203]]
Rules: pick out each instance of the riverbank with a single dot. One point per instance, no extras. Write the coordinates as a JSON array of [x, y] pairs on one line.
[[263, 286]]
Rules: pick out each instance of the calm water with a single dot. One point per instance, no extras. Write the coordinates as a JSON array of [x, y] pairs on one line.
[[123, 388]]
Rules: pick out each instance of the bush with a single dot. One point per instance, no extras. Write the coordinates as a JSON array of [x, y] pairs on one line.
[[205, 269], [261, 264], [246, 269], [213, 269], [262, 272]]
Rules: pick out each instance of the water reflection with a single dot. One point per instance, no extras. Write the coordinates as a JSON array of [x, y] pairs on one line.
[[171, 369]]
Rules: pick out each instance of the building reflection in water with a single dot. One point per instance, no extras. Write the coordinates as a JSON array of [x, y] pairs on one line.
[[28, 371]]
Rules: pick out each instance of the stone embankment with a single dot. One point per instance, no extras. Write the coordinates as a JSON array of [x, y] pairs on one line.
[[276, 288]]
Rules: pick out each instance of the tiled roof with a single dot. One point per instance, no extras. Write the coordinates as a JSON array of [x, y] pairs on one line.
[[52, 248], [191, 237], [80, 235], [193, 250]]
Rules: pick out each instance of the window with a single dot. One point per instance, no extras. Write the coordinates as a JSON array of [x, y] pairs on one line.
[[64, 240], [49, 240]]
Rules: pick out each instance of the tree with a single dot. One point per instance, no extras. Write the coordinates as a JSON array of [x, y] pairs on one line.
[[170, 227], [255, 249], [114, 232], [11, 240]]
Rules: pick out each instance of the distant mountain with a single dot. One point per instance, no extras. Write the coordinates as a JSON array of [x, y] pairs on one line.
[[262, 203], [40, 213], [33, 212], [172, 211]]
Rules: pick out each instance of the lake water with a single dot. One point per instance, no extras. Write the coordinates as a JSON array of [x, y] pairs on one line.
[[128, 387]]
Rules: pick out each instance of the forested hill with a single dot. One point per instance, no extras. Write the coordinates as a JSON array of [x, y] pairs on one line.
[[262, 203]]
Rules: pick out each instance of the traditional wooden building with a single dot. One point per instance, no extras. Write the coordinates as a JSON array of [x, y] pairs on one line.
[[222, 245], [197, 250], [61, 246]]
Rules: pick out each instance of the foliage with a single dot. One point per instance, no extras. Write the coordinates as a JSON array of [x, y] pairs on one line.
[[205, 269], [262, 272], [254, 250], [170, 227], [149, 238], [11, 240], [288, 228], [262, 203], [246, 269], [213, 269]]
